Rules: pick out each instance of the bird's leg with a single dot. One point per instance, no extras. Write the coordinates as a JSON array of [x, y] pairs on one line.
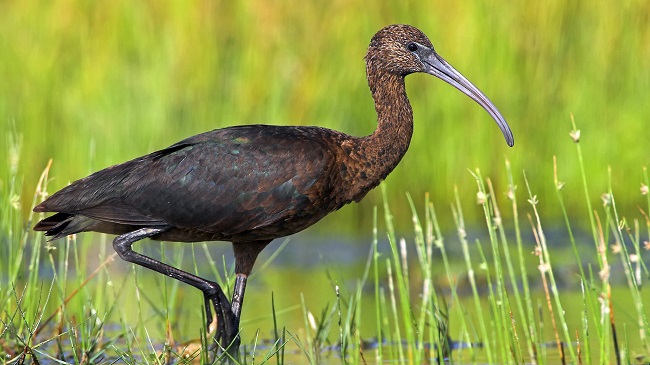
[[238, 295], [227, 327], [245, 256]]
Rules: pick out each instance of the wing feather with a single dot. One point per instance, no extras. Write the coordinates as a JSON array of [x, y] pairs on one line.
[[226, 181]]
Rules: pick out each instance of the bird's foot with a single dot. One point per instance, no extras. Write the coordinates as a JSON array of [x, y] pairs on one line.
[[224, 324]]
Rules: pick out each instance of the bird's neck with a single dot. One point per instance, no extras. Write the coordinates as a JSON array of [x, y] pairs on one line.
[[386, 146], [376, 155]]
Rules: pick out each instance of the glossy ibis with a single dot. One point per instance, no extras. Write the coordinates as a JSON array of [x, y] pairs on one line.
[[251, 184]]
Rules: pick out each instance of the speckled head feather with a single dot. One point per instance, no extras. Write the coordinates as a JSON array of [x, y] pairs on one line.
[[388, 50]]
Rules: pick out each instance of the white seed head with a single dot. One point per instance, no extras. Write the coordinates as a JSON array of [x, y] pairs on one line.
[[575, 135], [481, 198], [607, 199], [604, 273], [312, 321]]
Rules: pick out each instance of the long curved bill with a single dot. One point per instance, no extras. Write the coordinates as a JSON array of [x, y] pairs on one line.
[[438, 67]]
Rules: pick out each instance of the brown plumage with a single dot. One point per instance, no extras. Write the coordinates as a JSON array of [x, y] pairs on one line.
[[251, 184]]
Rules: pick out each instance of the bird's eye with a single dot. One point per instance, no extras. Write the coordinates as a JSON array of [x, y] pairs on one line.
[[412, 47]]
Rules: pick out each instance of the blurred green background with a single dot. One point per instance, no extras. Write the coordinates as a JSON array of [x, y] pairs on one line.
[[94, 83]]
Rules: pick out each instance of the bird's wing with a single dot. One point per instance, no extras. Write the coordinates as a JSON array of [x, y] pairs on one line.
[[100, 196], [225, 181]]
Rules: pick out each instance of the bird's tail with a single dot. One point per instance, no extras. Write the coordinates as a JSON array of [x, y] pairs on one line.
[[55, 225]]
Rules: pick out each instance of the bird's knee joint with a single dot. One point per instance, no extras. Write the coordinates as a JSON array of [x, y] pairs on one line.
[[212, 290], [122, 248]]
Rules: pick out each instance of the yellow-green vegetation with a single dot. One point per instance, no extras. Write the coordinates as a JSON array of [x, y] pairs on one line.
[[91, 84]]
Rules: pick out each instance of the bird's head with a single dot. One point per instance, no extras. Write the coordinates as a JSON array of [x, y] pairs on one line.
[[401, 50]]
